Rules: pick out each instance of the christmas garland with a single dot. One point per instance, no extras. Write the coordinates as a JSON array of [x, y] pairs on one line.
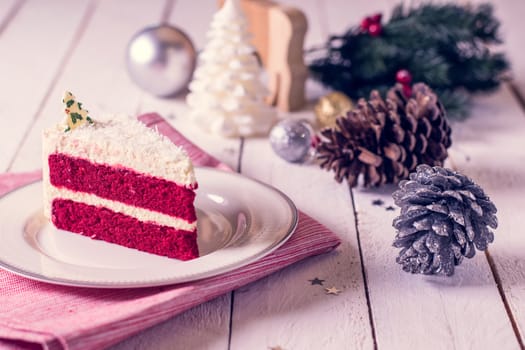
[[445, 46]]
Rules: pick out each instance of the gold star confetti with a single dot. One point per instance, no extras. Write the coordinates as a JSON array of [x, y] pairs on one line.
[[316, 281], [332, 290]]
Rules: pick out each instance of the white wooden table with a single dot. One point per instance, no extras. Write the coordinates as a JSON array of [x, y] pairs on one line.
[[50, 46]]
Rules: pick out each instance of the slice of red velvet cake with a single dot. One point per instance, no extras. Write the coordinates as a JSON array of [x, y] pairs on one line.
[[119, 181]]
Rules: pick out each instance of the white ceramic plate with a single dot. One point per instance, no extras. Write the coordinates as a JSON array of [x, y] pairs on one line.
[[240, 220]]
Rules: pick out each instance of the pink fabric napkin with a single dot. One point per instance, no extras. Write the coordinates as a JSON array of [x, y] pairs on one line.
[[36, 314]]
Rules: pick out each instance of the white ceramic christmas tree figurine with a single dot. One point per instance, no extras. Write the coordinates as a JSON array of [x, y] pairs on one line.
[[226, 96]]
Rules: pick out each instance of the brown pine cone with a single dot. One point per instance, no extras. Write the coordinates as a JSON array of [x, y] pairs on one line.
[[367, 140], [386, 140], [423, 118]]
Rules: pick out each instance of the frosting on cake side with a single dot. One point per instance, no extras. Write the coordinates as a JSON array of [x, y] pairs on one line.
[[122, 141]]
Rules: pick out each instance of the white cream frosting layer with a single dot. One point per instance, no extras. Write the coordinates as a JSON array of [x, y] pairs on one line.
[[119, 140], [135, 212]]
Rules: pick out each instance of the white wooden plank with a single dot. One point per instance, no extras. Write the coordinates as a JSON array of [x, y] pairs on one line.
[[8, 9], [29, 61], [200, 328], [285, 309], [6, 6], [490, 149]]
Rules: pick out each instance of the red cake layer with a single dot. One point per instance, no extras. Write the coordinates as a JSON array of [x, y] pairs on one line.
[[123, 185], [107, 225]]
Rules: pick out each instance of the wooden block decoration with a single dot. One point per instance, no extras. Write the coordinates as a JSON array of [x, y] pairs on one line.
[[286, 68], [278, 36]]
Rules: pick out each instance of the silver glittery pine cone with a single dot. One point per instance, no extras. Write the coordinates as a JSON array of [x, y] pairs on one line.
[[444, 217]]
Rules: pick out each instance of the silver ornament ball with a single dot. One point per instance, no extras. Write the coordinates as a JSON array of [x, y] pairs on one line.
[[161, 60], [291, 140]]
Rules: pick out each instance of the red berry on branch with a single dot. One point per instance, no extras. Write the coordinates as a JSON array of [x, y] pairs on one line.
[[376, 18], [365, 23], [407, 90], [315, 140], [375, 29], [403, 76]]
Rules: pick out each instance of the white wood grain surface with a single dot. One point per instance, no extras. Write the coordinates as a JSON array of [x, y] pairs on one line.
[[80, 45], [290, 307], [8, 10], [38, 58]]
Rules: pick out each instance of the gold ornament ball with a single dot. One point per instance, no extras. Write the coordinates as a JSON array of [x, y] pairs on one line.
[[331, 106]]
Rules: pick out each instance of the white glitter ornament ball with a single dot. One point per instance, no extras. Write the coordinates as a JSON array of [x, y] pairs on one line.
[[291, 140], [161, 60]]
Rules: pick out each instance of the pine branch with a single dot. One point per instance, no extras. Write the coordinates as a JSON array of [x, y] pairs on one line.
[[444, 46]]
